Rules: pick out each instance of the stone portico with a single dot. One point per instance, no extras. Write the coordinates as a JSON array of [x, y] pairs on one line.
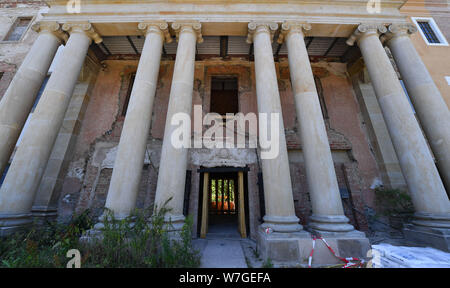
[[42, 154]]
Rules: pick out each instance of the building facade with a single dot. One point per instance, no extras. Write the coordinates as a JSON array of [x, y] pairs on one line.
[[90, 91]]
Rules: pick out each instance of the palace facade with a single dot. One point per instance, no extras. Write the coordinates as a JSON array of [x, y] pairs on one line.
[[89, 90]]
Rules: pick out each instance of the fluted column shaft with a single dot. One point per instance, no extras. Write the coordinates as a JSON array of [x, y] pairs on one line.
[[18, 190], [421, 175], [16, 103], [431, 108], [328, 213], [172, 168], [280, 211], [124, 185]]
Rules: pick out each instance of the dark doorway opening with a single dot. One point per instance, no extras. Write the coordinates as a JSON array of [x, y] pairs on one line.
[[224, 95], [223, 203]]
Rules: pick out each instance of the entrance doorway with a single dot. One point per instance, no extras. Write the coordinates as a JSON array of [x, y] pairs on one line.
[[223, 203]]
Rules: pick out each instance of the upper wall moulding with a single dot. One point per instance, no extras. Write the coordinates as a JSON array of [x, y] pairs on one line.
[[337, 18]]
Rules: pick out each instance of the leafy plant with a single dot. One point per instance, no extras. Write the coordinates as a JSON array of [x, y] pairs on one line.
[[139, 240], [393, 202], [268, 263], [43, 246]]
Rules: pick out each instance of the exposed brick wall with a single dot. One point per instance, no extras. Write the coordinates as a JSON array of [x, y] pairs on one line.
[[302, 198], [103, 124], [18, 3], [7, 73]]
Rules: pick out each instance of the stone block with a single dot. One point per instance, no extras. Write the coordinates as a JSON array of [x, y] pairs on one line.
[[438, 238], [285, 249], [293, 249]]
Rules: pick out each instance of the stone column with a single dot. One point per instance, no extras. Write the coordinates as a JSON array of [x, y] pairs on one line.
[[124, 185], [18, 190], [172, 168], [431, 108], [424, 184], [328, 213], [18, 100], [280, 212]]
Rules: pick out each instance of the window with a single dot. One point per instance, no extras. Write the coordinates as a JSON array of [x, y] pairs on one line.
[[224, 95], [18, 29], [430, 31]]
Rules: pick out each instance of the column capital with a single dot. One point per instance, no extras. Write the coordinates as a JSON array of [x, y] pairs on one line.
[[364, 30], [159, 27], [398, 30], [292, 27], [50, 27], [257, 27], [83, 27], [191, 26]]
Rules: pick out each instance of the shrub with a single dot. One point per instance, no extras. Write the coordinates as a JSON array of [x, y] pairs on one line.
[[43, 246], [130, 242], [393, 201]]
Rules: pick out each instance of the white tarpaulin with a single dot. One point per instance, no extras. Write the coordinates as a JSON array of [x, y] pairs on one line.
[[388, 256]]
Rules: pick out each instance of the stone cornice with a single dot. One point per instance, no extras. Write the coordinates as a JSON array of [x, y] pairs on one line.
[[363, 30], [160, 27], [83, 27], [333, 18], [191, 26], [258, 27], [292, 26], [384, 3], [50, 27]]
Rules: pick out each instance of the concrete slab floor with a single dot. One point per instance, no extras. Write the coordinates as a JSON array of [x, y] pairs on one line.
[[220, 253]]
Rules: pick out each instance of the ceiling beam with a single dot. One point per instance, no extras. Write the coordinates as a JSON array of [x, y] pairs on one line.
[[223, 46], [331, 46], [132, 45]]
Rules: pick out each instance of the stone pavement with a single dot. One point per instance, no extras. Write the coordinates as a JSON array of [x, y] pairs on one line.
[[221, 253]]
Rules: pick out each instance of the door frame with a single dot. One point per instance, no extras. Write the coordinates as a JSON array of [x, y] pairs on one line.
[[242, 227]]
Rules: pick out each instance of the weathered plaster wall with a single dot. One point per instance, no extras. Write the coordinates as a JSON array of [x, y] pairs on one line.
[[345, 118], [87, 181], [13, 53]]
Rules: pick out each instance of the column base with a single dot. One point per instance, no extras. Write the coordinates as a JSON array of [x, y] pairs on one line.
[[95, 234], [284, 249], [43, 214], [293, 249], [432, 220], [282, 224], [173, 224], [330, 223], [438, 238], [12, 223]]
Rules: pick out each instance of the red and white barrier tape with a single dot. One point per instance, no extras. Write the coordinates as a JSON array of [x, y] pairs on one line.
[[347, 260]]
